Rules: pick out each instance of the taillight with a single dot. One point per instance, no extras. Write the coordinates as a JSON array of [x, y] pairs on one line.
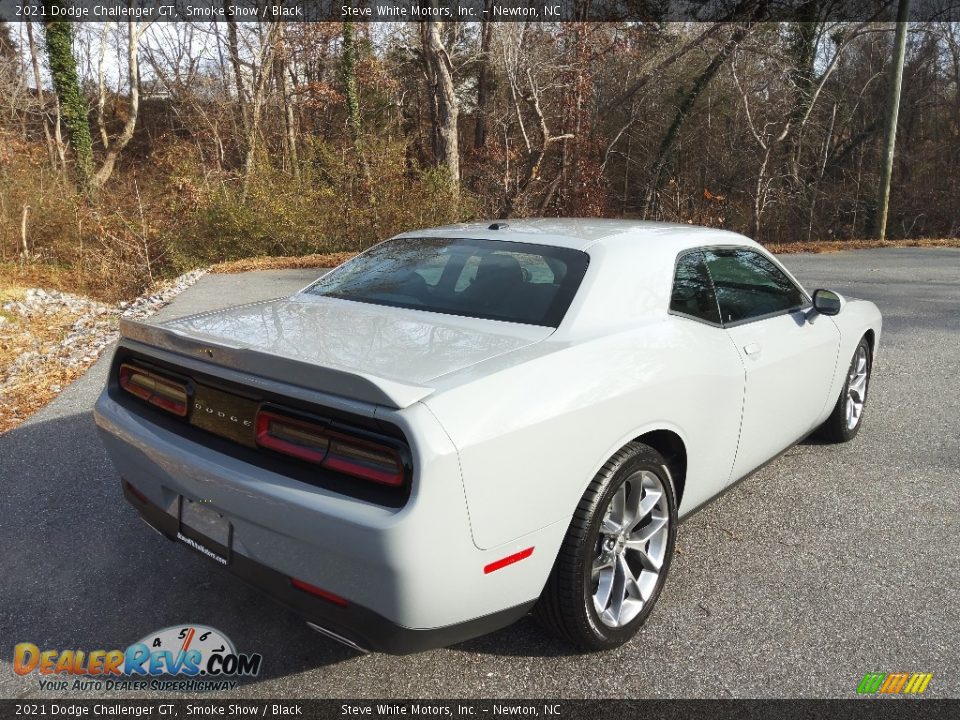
[[317, 443], [298, 438], [136, 493], [319, 592], [162, 392]]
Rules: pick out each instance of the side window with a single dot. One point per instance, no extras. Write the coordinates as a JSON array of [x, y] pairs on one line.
[[748, 285], [692, 290]]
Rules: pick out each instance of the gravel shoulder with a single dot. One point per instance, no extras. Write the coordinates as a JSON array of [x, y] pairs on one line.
[[49, 338], [831, 562]]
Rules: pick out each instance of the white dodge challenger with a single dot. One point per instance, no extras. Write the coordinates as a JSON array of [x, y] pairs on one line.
[[469, 422]]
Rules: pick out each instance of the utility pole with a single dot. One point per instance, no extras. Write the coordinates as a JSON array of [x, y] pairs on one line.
[[890, 136]]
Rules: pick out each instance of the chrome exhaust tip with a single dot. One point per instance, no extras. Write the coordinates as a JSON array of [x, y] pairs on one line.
[[339, 638]]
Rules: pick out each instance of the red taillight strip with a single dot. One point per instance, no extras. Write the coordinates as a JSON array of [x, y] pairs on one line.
[[319, 592], [332, 450], [508, 560], [265, 439], [166, 394], [136, 493], [343, 463]]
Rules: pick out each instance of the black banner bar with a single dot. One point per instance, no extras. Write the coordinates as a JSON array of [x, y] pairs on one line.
[[852, 709], [475, 10]]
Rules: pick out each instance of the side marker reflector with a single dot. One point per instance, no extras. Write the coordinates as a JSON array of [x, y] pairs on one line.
[[318, 592], [136, 493], [508, 560]]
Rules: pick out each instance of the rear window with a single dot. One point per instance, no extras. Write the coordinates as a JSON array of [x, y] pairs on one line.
[[490, 279]]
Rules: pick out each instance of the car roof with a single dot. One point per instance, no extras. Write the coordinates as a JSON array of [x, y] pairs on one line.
[[582, 233]]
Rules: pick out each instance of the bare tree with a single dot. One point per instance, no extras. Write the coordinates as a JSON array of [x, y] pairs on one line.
[[116, 146], [439, 71], [525, 97], [484, 80], [683, 111], [263, 71], [54, 142]]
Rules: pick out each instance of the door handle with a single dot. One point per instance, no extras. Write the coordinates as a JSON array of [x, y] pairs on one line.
[[752, 350]]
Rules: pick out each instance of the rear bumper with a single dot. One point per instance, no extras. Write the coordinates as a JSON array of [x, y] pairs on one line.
[[353, 625], [412, 577]]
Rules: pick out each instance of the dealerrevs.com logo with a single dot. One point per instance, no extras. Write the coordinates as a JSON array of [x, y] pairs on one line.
[[186, 658]]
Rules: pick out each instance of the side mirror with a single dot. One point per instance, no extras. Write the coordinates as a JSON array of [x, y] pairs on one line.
[[827, 302]]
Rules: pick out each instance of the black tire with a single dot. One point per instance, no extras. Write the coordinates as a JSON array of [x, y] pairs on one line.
[[566, 607], [837, 427]]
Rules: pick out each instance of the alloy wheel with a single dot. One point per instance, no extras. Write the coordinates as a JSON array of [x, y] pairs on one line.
[[857, 387], [631, 549]]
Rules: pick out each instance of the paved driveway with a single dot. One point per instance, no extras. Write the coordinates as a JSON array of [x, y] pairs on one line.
[[831, 562]]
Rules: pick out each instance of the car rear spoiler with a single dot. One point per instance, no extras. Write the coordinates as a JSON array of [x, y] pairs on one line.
[[337, 381]]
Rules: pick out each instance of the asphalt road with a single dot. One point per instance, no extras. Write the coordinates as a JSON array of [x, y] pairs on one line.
[[831, 562]]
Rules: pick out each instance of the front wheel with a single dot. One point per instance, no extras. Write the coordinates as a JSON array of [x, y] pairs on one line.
[[847, 416], [616, 554]]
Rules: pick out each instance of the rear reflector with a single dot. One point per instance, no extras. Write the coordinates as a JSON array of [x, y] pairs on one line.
[[164, 393], [318, 592], [508, 560], [136, 493], [316, 443]]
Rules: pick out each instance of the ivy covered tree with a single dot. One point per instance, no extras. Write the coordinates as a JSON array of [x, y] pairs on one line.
[[73, 107]]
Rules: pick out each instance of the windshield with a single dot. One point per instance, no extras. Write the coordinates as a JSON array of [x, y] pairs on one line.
[[490, 279]]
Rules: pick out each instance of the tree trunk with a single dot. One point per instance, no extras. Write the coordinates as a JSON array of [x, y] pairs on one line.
[[893, 111], [286, 105], [233, 50], [804, 50], [63, 70], [348, 70], [440, 76], [133, 72], [38, 82], [102, 87], [484, 82], [265, 65], [25, 249], [535, 153]]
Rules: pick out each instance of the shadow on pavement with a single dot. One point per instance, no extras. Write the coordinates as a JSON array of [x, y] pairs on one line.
[[522, 639], [81, 571]]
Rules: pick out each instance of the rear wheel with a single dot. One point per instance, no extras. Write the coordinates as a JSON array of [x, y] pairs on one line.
[[847, 416], [616, 554]]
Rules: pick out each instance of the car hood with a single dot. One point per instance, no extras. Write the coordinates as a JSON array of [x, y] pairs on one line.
[[398, 351]]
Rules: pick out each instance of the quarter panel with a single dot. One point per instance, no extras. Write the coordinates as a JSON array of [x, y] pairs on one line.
[[532, 436], [855, 319]]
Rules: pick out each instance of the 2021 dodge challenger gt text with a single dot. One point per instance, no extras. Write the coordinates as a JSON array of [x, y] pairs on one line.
[[466, 423]]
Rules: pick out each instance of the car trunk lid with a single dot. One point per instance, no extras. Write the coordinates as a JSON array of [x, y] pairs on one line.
[[383, 355]]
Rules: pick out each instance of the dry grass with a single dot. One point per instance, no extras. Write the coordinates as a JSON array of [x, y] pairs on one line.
[[324, 260], [827, 246], [67, 279], [40, 333]]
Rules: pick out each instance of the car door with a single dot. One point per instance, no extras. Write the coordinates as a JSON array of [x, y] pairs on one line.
[[789, 353], [710, 402]]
